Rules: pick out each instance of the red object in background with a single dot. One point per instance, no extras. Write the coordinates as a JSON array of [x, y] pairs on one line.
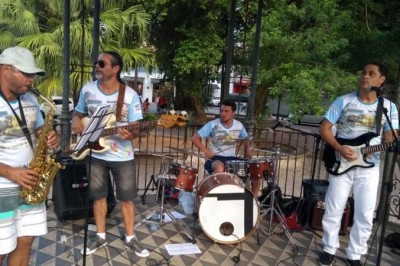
[[292, 222], [241, 85]]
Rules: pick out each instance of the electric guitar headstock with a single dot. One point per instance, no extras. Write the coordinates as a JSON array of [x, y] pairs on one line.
[[170, 120]]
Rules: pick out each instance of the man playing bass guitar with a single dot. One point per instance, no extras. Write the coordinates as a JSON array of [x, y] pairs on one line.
[[119, 159], [354, 115]]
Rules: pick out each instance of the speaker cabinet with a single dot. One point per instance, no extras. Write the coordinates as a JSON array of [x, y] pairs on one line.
[[70, 192], [318, 210]]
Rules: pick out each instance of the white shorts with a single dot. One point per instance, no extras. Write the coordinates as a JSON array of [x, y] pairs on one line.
[[27, 220]]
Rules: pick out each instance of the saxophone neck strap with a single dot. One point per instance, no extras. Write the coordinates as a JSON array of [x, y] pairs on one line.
[[21, 120]]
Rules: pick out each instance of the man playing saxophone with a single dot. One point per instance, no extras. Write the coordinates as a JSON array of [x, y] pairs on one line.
[[20, 125]]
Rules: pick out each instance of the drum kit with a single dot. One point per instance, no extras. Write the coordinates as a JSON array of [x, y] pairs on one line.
[[227, 211]]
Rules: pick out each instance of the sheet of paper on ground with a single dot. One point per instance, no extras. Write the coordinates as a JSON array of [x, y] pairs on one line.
[[182, 249]]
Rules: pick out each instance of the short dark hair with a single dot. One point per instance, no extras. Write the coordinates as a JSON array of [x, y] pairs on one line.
[[381, 68], [229, 102], [116, 61]]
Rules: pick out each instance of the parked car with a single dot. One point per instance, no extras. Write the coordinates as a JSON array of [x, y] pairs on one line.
[[214, 101], [57, 101]]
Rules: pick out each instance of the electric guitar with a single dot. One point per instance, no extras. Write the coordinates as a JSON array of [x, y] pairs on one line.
[[99, 146], [335, 164]]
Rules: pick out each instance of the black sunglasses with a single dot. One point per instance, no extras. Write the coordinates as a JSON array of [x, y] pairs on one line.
[[101, 63]]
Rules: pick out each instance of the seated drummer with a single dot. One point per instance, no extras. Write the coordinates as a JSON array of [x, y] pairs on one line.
[[223, 133]]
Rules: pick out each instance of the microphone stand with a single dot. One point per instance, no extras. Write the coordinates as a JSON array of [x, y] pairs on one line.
[[387, 184], [88, 138], [313, 171]]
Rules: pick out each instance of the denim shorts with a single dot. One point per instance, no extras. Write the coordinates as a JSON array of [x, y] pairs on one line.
[[123, 174]]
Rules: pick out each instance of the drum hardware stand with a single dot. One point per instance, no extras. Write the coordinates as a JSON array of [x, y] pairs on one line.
[[152, 181], [160, 214], [273, 207]]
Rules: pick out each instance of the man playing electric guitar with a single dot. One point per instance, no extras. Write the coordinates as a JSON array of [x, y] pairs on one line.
[[354, 115]]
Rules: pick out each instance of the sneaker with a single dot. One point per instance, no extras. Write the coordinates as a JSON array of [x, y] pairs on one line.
[[353, 262], [94, 244], [326, 259], [135, 246]]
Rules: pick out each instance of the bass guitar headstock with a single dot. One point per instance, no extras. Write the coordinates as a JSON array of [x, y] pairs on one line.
[[170, 120]]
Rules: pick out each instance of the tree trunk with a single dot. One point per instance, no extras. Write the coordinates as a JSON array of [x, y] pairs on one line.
[[199, 113], [262, 94]]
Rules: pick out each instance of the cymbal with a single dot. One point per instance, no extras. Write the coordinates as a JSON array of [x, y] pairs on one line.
[[239, 139], [164, 156], [259, 140], [178, 149], [187, 152]]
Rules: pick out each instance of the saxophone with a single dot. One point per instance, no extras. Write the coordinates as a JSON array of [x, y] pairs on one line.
[[46, 167]]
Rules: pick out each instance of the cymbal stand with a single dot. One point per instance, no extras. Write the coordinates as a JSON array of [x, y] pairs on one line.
[[273, 206], [157, 216], [163, 168], [160, 184]]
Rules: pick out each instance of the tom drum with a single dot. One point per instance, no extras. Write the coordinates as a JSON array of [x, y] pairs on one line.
[[260, 168], [185, 176]]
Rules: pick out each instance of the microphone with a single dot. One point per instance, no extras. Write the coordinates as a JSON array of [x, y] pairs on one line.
[[376, 89]]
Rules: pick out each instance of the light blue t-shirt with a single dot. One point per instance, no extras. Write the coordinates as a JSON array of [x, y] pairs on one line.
[[15, 149], [223, 140], [353, 118]]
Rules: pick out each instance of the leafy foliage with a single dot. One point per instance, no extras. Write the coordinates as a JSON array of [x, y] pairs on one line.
[[37, 26]]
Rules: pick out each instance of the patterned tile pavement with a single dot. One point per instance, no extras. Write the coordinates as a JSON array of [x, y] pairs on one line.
[[272, 249]]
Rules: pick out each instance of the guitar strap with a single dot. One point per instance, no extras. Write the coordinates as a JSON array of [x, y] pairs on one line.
[[120, 101], [378, 119]]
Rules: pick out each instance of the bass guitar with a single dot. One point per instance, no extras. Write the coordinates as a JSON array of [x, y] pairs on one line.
[[99, 146], [335, 164]]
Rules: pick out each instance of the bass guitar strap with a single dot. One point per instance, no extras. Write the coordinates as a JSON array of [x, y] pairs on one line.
[[120, 101]]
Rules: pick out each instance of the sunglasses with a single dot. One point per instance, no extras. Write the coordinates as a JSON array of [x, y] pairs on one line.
[[101, 63]]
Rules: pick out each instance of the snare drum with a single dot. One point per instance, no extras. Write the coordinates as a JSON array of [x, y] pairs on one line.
[[228, 212], [260, 168], [236, 167], [185, 176]]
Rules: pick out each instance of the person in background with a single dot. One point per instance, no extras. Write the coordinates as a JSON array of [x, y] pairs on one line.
[[161, 104], [19, 222], [353, 115], [119, 159], [145, 105]]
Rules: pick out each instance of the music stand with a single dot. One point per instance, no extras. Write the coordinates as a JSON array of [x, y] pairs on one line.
[[89, 136]]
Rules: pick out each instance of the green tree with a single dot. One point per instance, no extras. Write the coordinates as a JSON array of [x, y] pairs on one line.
[[190, 40], [313, 49], [37, 25]]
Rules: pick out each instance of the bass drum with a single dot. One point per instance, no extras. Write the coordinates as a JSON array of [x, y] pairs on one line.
[[228, 212]]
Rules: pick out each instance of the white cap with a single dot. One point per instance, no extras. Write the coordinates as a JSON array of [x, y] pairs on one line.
[[22, 59]]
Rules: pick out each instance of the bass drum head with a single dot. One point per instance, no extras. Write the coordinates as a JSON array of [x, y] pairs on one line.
[[228, 212]]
